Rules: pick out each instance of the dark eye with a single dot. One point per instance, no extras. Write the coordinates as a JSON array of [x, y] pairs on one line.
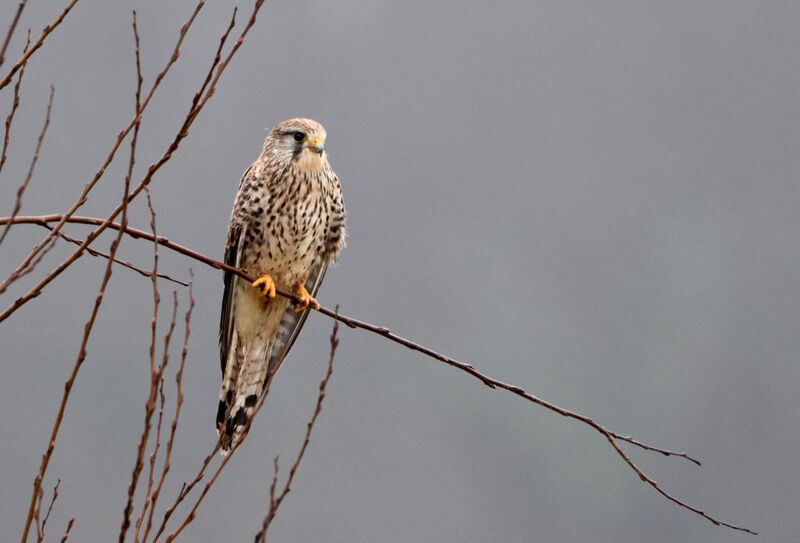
[[298, 136]]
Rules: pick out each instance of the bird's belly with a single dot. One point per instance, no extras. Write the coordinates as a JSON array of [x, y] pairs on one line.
[[293, 245], [287, 267]]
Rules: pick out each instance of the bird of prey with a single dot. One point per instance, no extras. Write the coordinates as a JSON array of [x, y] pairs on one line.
[[287, 225]]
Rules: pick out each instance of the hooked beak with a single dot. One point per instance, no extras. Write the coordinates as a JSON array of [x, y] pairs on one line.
[[317, 145]]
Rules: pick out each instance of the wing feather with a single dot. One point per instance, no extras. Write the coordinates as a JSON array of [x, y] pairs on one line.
[[233, 255], [233, 252], [292, 323]]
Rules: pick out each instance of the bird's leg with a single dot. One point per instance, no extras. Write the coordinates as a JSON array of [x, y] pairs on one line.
[[306, 299], [265, 286]]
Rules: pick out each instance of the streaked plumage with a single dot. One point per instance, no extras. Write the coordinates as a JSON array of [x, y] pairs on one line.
[[288, 222]]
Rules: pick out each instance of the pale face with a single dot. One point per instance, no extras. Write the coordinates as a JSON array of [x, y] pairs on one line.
[[301, 140]]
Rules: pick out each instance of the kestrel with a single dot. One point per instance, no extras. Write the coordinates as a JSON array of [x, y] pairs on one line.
[[287, 225]]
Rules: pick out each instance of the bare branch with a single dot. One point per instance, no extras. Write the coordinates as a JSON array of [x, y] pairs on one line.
[[66, 532], [612, 437], [156, 385], [156, 376], [38, 43], [192, 514], [40, 528], [153, 498], [647, 447], [71, 380], [34, 160], [275, 501], [14, 107], [46, 244], [186, 489], [36, 510], [123, 263], [10, 32], [201, 98], [85, 340]]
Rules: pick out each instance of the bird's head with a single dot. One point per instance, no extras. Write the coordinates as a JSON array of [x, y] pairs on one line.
[[297, 140]]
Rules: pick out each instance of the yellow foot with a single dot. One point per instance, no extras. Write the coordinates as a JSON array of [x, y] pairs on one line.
[[306, 299], [265, 286]]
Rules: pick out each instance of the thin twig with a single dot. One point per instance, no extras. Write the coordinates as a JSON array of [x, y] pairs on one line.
[[159, 375], [275, 501], [193, 512], [201, 98], [36, 510], [82, 351], [38, 43], [261, 535], [84, 340], [14, 107], [121, 262], [34, 160], [38, 251], [11, 29], [186, 490], [66, 532], [156, 385], [155, 376], [178, 404], [40, 529]]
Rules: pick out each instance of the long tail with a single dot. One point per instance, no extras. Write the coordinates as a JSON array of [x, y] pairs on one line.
[[242, 386]]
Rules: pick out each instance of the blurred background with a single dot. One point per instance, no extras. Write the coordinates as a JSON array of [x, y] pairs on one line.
[[595, 201]]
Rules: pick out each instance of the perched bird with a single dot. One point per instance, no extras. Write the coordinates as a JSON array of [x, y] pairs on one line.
[[287, 225]]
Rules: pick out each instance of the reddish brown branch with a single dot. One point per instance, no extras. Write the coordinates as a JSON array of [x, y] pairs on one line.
[[34, 160], [36, 510], [155, 376], [66, 532], [13, 112], [193, 512], [38, 251], [350, 322], [201, 98], [156, 387], [186, 490], [275, 501], [38, 43], [121, 262], [10, 33], [82, 351], [207, 487], [86, 334], [153, 498], [41, 527], [612, 437]]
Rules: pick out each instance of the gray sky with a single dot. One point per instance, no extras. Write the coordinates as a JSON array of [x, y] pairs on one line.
[[596, 201]]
